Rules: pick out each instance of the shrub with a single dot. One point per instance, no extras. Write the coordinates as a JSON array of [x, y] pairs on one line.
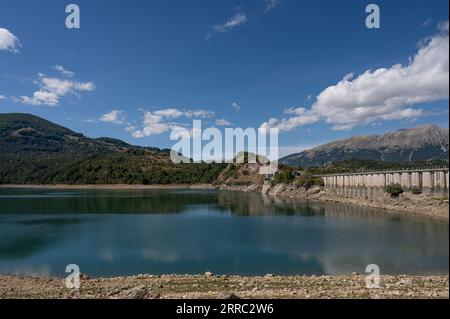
[[284, 177], [308, 181], [394, 190], [231, 170], [416, 191]]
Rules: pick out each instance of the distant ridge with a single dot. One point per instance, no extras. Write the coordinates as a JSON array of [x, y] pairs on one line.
[[423, 143]]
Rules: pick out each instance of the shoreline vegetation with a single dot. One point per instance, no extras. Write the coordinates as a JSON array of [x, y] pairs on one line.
[[436, 207], [227, 287]]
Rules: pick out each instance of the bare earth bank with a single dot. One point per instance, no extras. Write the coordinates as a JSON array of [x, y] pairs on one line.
[[226, 287]]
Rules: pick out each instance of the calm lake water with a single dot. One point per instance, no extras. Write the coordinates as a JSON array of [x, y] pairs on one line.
[[110, 233]]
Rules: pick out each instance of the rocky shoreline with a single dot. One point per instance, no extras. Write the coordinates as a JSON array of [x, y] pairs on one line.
[[406, 204], [227, 287]]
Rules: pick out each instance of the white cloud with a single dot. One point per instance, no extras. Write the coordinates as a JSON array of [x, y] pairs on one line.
[[115, 117], [271, 4], [161, 121], [222, 122], [388, 93], [170, 113], [2, 97], [177, 132], [198, 114], [152, 125], [52, 89], [300, 117], [443, 27], [239, 19], [383, 94], [63, 71], [8, 41], [236, 106], [175, 113], [41, 98], [295, 111]]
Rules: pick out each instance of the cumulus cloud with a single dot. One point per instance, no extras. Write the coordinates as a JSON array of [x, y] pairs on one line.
[[382, 94], [198, 114], [52, 89], [177, 132], [63, 71], [152, 125], [222, 122], [2, 97], [299, 117], [270, 5], [389, 93], [161, 121], [443, 27], [169, 113], [8, 41], [239, 19], [115, 117]]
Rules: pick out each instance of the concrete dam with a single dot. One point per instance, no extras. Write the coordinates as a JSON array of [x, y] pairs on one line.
[[367, 184]]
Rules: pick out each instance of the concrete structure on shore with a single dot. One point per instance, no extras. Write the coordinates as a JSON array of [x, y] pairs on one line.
[[428, 181]]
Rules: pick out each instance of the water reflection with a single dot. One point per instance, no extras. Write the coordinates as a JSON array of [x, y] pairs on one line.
[[22, 236], [112, 233]]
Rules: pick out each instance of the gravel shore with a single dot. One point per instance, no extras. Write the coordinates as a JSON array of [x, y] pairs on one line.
[[227, 287]]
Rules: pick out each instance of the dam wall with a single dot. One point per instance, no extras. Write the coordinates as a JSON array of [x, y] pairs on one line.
[[368, 184]]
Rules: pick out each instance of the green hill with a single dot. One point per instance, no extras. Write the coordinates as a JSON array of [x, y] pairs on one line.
[[36, 151]]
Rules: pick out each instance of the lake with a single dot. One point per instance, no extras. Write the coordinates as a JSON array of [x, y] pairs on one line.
[[112, 233]]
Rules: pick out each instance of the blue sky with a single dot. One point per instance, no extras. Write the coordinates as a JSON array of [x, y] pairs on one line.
[[136, 69]]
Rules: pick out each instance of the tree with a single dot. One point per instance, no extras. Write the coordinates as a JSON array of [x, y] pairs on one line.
[[394, 190]]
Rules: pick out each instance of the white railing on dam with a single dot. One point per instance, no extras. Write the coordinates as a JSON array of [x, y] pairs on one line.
[[427, 180]]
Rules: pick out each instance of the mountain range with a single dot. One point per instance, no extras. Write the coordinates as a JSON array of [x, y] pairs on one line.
[[423, 143]]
